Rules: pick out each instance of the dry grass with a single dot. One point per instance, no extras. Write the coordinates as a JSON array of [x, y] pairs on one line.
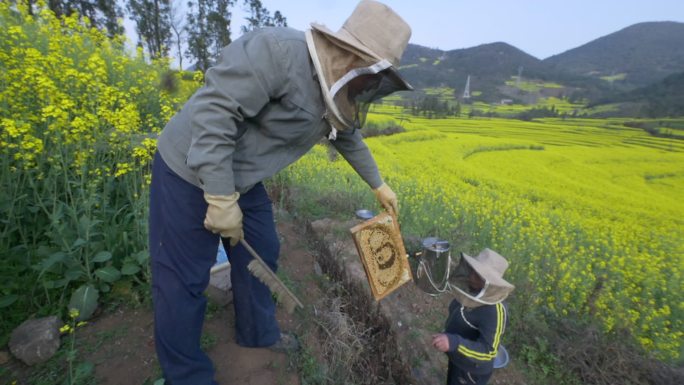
[[343, 341], [358, 340], [598, 360]]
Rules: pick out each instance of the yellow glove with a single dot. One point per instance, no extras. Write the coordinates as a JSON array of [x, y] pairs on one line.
[[387, 198], [224, 216]]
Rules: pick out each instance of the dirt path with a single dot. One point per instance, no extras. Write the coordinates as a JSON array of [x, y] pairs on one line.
[[126, 346], [120, 344]]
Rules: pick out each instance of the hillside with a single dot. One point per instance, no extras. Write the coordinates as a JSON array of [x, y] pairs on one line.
[[634, 56], [664, 98], [489, 67]]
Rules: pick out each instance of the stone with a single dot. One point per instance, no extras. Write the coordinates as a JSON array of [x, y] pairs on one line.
[[221, 279], [220, 288], [36, 340], [4, 357], [322, 226], [317, 269]]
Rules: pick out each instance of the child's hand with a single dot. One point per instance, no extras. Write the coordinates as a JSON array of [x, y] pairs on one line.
[[440, 342]]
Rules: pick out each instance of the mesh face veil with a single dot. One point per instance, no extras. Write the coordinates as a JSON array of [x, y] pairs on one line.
[[491, 293], [349, 93], [360, 87]]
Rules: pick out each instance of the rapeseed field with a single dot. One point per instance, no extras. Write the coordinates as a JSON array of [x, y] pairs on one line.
[[79, 116], [589, 212]]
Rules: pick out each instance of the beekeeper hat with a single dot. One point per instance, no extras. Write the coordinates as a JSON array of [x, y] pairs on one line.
[[374, 29], [376, 37]]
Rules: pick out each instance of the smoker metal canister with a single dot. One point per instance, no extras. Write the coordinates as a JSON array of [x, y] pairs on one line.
[[432, 273]]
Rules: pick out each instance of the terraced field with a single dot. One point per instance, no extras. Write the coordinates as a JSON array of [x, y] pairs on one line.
[[590, 212]]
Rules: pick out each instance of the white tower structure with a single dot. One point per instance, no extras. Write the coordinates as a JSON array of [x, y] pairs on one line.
[[466, 92]]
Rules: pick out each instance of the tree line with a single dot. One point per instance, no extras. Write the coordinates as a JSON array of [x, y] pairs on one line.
[[432, 106], [196, 30]]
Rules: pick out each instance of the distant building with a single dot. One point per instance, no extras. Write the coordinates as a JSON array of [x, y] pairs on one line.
[[466, 91]]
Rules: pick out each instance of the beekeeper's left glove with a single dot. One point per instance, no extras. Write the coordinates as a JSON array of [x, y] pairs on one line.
[[224, 216], [387, 198]]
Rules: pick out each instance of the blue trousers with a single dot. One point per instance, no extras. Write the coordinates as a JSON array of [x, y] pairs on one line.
[[182, 253]]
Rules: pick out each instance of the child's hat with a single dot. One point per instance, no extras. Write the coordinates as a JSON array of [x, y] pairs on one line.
[[490, 266]]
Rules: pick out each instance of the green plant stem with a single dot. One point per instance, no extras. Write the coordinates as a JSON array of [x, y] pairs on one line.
[[71, 356]]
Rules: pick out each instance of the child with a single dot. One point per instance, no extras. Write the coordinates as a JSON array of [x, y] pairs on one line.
[[477, 318]]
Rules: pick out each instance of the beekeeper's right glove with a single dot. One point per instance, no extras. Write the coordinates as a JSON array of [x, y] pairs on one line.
[[387, 198], [224, 216]]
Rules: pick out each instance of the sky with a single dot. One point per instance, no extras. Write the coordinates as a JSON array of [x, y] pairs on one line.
[[542, 28]]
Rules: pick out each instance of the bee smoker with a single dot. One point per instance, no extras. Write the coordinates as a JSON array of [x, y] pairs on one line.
[[434, 263]]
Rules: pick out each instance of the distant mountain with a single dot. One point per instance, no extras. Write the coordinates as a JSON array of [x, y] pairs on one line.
[[419, 68], [632, 57], [489, 67]]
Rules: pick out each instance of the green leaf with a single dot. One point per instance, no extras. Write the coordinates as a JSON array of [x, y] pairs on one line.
[[8, 300], [60, 283], [44, 251], [83, 224], [102, 256], [142, 257], [105, 288], [78, 243], [108, 274], [57, 214], [50, 261], [84, 299], [74, 274], [130, 269], [83, 371]]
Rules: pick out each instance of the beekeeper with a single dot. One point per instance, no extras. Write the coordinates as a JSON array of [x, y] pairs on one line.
[[272, 95], [477, 318]]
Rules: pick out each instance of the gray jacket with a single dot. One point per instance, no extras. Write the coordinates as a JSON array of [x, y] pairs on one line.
[[260, 110]]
